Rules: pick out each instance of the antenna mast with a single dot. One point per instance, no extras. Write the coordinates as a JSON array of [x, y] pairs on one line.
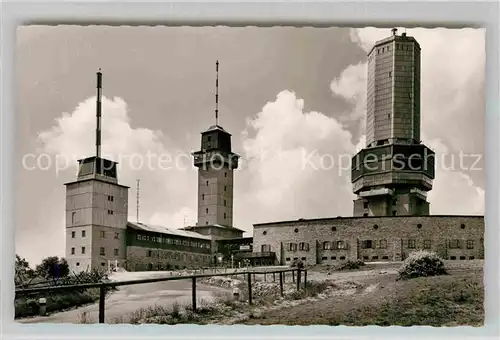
[[137, 203], [98, 115], [217, 93]]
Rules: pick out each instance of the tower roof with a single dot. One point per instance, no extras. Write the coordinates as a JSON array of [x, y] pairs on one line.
[[216, 128]]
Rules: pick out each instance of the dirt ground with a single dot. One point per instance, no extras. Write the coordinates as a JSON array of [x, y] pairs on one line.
[[377, 285]]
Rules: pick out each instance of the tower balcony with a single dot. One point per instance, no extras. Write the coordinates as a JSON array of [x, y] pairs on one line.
[[215, 158], [393, 165]]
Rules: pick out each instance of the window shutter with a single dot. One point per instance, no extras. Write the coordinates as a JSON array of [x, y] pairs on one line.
[[307, 246]]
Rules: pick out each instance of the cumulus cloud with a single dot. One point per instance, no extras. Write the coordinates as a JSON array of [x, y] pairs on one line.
[[297, 162], [168, 180]]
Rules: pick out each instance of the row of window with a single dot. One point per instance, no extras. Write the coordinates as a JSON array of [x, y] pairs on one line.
[[103, 234], [176, 256], [225, 216], [102, 251], [177, 242]]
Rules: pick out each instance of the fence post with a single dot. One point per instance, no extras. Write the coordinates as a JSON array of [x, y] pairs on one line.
[[298, 279], [281, 283], [193, 293], [249, 288], [305, 279], [102, 298]]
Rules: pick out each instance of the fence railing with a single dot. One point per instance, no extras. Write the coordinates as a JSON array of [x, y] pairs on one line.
[[105, 286]]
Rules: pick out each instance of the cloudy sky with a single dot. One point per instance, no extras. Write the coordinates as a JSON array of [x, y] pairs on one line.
[[293, 99]]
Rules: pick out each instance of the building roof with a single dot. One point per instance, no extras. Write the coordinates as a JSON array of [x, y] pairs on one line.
[[216, 128], [327, 219], [211, 225], [167, 231]]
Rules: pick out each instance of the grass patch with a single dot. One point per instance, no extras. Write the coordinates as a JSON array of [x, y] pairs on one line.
[[432, 301]]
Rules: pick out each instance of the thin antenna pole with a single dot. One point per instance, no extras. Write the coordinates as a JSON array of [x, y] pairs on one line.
[[185, 220], [137, 203], [98, 115], [217, 93]]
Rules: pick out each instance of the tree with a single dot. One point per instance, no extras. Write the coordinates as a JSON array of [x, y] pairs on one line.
[[23, 270], [53, 267]]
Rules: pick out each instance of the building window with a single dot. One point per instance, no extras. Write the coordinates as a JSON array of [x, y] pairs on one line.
[[462, 226], [72, 251], [225, 188], [342, 257], [427, 244], [292, 246], [365, 214], [73, 217], [324, 258], [419, 226], [304, 246], [333, 258], [287, 259], [225, 174], [334, 228], [365, 205], [209, 138], [303, 258], [327, 245], [374, 257], [366, 244], [296, 230], [203, 196], [206, 210], [83, 233], [385, 257], [365, 257], [394, 213], [83, 250], [264, 232], [117, 236], [265, 248], [110, 198], [73, 234], [383, 244], [340, 245], [453, 257], [471, 257], [207, 183], [102, 251], [103, 234], [116, 252], [454, 244], [375, 227], [150, 253], [103, 264], [390, 74], [78, 264], [411, 244], [224, 215], [462, 257], [470, 244], [224, 202]]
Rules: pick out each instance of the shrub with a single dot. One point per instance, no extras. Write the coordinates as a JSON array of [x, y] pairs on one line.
[[421, 263], [349, 265]]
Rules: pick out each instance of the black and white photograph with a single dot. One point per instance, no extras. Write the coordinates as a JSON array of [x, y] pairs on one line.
[[219, 175]]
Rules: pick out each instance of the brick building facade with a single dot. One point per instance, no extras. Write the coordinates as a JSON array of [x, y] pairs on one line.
[[388, 238]]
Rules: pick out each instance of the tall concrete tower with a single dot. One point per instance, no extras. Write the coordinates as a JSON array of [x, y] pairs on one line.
[[216, 163], [394, 172], [96, 209]]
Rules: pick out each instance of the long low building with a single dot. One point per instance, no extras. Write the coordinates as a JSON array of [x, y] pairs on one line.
[[388, 238]]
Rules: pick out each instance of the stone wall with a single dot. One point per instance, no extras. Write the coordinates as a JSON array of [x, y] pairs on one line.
[[143, 259], [372, 238]]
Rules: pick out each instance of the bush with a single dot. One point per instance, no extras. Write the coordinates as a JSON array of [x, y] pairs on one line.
[[349, 265], [421, 263]]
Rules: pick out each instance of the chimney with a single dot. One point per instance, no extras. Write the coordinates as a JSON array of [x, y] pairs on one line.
[[403, 35], [394, 30]]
